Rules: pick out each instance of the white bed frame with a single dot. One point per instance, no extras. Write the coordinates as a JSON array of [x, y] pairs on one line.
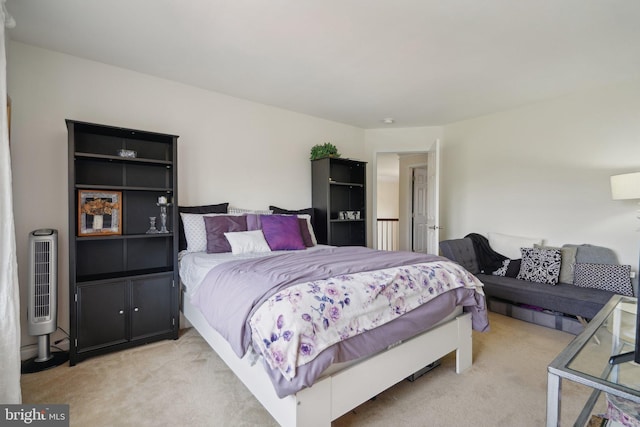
[[336, 394]]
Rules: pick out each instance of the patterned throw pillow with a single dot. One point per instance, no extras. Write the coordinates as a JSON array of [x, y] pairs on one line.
[[568, 262], [194, 232], [510, 268], [502, 271], [540, 265], [609, 277], [241, 211]]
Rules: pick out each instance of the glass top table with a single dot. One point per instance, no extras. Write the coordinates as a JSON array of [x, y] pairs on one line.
[[586, 360]]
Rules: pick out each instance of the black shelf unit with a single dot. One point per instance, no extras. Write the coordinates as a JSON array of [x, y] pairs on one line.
[[124, 288], [339, 185]]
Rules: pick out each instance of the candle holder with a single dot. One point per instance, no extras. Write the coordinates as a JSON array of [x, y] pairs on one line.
[[152, 225], [163, 217]]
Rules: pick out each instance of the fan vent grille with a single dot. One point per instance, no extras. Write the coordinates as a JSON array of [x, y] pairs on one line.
[[42, 281]]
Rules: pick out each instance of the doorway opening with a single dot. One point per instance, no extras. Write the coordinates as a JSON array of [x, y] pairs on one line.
[[398, 200], [406, 202]]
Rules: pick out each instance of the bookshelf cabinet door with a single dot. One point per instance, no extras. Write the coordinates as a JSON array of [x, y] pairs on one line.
[[102, 315], [151, 306]]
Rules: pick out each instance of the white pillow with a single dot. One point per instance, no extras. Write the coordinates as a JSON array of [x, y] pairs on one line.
[[195, 231], [509, 246], [244, 242]]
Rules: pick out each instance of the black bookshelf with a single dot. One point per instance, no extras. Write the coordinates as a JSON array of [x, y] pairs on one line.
[[124, 283], [339, 199]]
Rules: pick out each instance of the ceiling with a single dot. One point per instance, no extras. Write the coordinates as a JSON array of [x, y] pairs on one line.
[[420, 62]]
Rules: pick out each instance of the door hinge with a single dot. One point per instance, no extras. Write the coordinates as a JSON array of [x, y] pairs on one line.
[[76, 298], [173, 283], [76, 342], [173, 321]]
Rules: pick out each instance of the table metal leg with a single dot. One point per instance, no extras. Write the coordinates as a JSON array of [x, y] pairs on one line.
[[553, 400]]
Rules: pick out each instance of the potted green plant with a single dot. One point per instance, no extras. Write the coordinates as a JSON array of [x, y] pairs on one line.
[[320, 151]]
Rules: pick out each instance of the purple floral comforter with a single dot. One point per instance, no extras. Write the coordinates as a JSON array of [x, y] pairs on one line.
[[232, 292], [296, 324]]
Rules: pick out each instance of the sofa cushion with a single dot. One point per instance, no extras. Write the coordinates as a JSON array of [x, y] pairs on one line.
[[563, 298], [590, 254], [462, 252]]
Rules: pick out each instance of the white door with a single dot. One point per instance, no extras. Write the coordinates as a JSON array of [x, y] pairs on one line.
[[420, 209], [433, 198]]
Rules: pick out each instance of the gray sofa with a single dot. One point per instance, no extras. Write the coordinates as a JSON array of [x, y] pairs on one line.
[[563, 298]]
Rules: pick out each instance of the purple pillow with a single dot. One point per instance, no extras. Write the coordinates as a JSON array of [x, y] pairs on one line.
[[253, 223], [304, 232], [216, 226], [282, 232]]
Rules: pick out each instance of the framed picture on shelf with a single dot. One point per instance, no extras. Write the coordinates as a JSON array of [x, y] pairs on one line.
[[99, 213]]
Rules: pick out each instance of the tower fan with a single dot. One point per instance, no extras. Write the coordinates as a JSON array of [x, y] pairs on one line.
[[43, 299]]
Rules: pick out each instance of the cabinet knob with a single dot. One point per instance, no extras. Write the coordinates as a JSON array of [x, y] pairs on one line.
[[136, 309], [121, 312]]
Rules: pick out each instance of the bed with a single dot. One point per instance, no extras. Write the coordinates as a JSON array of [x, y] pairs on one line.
[[338, 377]]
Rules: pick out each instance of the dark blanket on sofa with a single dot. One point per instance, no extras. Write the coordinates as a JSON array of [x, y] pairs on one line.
[[488, 259]]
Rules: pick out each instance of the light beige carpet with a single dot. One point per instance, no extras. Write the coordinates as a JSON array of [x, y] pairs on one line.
[[184, 383]]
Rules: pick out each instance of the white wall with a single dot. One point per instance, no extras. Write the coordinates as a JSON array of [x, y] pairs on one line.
[[387, 179], [229, 150], [543, 171], [388, 199]]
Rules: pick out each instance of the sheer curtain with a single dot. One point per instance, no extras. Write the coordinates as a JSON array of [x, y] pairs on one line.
[[9, 290]]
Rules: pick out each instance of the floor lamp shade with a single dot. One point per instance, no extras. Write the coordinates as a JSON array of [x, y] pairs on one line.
[[625, 186]]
